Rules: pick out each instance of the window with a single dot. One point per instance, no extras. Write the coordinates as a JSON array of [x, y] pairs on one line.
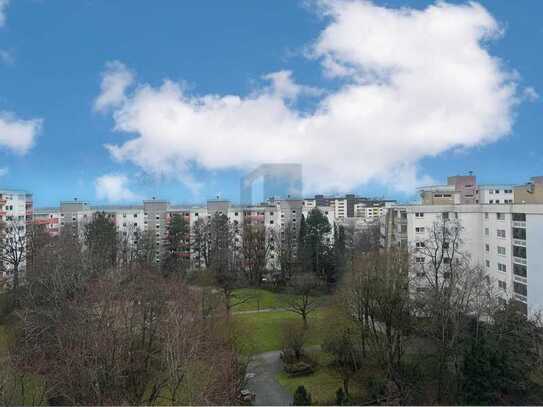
[[419, 230], [519, 270], [491, 192], [487, 263], [501, 250], [500, 216], [497, 191], [502, 267], [445, 245], [420, 244], [519, 233], [519, 251], [502, 285], [419, 215], [447, 260], [486, 232], [497, 201], [508, 191], [486, 215], [519, 217], [501, 233], [521, 289], [445, 215], [419, 259], [487, 247]]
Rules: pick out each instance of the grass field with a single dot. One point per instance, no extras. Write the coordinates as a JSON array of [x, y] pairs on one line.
[[262, 331], [259, 298]]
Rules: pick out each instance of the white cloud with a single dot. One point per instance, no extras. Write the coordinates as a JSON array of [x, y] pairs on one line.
[[530, 94], [283, 86], [115, 80], [3, 171], [3, 6], [416, 83], [114, 188], [18, 135]]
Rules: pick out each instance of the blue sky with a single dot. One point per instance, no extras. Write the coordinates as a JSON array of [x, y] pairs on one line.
[[55, 54]]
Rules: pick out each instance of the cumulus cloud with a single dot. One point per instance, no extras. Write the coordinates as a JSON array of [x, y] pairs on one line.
[[17, 135], [114, 188], [115, 80], [416, 83]]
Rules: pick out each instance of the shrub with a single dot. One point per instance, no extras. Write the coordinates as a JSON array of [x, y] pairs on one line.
[[301, 397], [293, 340]]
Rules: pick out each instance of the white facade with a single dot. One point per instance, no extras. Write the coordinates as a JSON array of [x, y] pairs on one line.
[[504, 239], [495, 194], [15, 213]]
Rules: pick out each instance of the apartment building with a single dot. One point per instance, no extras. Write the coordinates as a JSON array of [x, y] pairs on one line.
[[15, 214], [499, 234]]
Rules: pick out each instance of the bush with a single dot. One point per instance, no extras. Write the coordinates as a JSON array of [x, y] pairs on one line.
[[301, 397], [293, 340]]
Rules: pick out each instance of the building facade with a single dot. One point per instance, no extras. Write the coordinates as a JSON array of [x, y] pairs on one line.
[[16, 214], [500, 234]]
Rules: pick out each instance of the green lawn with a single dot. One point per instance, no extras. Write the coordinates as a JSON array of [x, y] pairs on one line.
[[262, 331], [259, 298]]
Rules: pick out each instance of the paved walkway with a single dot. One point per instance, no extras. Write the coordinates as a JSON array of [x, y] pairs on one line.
[[269, 392]]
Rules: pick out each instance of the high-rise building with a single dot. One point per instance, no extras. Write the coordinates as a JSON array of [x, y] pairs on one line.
[[15, 216], [502, 231]]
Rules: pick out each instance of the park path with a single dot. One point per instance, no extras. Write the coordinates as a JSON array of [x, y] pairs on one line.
[[264, 369]]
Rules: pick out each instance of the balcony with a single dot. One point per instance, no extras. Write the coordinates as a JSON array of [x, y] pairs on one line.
[[519, 224], [519, 260], [519, 242]]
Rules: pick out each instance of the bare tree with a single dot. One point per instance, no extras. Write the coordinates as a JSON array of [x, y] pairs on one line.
[[13, 249], [377, 296], [256, 249], [225, 260], [449, 289], [303, 296], [200, 244], [286, 241]]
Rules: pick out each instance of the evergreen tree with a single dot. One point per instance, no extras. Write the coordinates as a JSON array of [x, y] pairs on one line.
[[341, 398], [101, 243], [177, 256], [317, 230], [301, 397]]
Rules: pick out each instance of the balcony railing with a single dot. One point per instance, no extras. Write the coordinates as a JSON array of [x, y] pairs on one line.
[[519, 260], [519, 242], [519, 224]]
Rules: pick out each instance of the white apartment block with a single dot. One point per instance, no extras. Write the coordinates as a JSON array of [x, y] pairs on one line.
[[15, 212], [500, 234]]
